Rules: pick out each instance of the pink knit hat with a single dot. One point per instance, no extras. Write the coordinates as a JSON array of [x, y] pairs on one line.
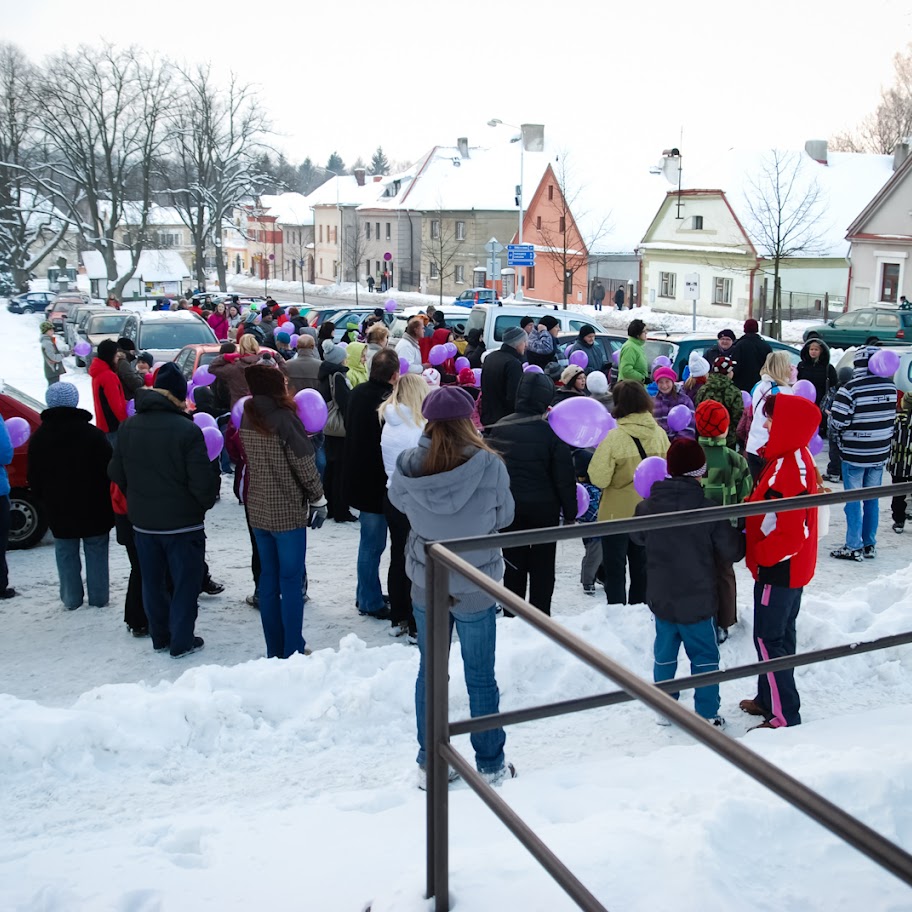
[[660, 372]]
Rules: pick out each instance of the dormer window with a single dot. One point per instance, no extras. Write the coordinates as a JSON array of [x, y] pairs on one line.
[[696, 222]]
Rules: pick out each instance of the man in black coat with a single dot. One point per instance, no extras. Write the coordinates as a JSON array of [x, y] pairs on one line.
[[162, 467], [501, 372], [725, 340], [364, 478], [749, 353], [542, 482], [83, 513]]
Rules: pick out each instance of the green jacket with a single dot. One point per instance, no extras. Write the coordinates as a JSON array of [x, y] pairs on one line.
[[728, 478], [719, 388], [632, 361]]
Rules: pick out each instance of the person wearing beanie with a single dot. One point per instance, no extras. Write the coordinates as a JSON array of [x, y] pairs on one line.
[[542, 483], [527, 324], [333, 386], [588, 343], [632, 364], [727, 481], [720, 388], [749, 353], [51, 354], [592, 555], [542, 348], [681, 569], [696, 373], [161, 465], [466, 380], [84, 517], [107, 391], [454, 485], [503, 369], [279, 453], [130, 378], [572, 384], [725, 339], [432, 377], [667, 397], [283, 346]]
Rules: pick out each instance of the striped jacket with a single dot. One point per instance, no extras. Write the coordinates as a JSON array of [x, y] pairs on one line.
[[863, 413]]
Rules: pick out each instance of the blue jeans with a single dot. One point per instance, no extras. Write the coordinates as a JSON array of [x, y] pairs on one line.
[[861, 530], [69, 569], [319, 454], [282, 557], [370, 550], [183, 555], [703, 651], [477, 637]]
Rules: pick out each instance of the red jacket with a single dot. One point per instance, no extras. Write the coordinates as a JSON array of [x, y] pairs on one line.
[[110, 403], [782, 547]]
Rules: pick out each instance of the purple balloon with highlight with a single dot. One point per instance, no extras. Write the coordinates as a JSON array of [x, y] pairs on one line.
[[390, 306], [615, 355], [131, 408], [582, 500], [202, 376], [403, 366], [82, 349], [237, 410], [580, 359], [679, 418], [816, 445], [437, 355], [884, 363], [647, 473], [806, 390], [451, 349], [532, 369], [287, 328], [214, 442], [204, 420], [311, 410], [462, 363], [293, 341], [580, 422], [661, 361], [746, 398], [18, 430]]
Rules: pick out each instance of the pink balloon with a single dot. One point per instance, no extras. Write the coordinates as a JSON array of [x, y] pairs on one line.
[[214, 442], [816, 445], [647, 473], [204, 420], [202, 376], [477, 372], [746, 398], [82, 349], [18, 430], [131, 408], [462, 363], [403, 366], [884, 363], [390, 306], [237, 411], [806, 390], [532, 369], [580, 422], [579, 358], [582, 500], [679, 418], [438, 355], [311, 410]]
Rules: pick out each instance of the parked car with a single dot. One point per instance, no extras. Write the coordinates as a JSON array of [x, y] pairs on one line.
[[319, 314], [612, 342], [76, 319], [163, 333], [455, 317], [30, 302], [190, 357], [27, 521], [865, 325], [60, 306], [687, 343], [903, 376], [98, 326], [357, 315], [494, 319], [472, 296]]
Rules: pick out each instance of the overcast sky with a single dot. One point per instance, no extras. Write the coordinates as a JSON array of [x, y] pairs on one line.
[[622, 78]]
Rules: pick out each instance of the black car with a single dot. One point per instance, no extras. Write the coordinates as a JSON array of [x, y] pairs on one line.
[[30, 302]]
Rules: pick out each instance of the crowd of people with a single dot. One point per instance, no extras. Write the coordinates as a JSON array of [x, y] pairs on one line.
[[415, 452]]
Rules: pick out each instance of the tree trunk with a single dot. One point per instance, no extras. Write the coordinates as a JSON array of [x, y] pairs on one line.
[[776, 322], [220, 268], [199, 255]]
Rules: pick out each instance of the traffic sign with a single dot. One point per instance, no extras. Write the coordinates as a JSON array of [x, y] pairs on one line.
[[520, 255], [493, 246]]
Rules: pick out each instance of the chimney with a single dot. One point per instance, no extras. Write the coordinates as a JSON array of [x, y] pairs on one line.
[[463, 145], [378, 178], [817, 149], [901, 153], [359, 176]]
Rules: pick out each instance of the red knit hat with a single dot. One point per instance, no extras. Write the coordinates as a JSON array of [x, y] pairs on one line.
[[466, 377], [685, 457], [712, 419]]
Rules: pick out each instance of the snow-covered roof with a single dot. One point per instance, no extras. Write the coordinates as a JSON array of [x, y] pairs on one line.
[[153, 265], [692, 248], [344, 191], [288, 208], [158, 215]]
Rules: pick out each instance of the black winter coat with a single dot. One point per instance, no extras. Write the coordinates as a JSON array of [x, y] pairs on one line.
[[749, 353], [162, 466], [68, 472], [820, 372], [500, 376], [681, 563], [538, 461], [364, 477]]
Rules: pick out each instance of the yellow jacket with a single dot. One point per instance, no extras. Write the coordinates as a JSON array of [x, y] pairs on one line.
[[617, 458]]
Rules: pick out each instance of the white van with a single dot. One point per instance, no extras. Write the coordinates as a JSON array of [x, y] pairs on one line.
[[493, 320], [456, 316]]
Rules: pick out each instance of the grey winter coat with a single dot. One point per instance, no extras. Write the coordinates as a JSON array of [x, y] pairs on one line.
[[53, 359], [473, 499]]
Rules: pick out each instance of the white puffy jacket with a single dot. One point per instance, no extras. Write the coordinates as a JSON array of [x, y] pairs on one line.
[[399, 433], [759, 435]]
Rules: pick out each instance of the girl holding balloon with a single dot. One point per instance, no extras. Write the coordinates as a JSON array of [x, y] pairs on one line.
[[673, 409]]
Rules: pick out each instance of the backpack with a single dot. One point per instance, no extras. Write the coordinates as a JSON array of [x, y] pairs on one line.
[[541, 342]]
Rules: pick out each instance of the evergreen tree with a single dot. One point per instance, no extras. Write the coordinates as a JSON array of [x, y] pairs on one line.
[[359, 163], [379, 163], [336, 164]]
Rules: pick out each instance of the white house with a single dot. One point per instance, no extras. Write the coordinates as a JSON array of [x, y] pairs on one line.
[[158, 272]]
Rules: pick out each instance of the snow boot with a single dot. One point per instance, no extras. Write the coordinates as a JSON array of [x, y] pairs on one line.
[[752, 708], [851, 554]]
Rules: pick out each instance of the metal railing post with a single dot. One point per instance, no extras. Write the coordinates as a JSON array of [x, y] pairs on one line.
[[436, 655]]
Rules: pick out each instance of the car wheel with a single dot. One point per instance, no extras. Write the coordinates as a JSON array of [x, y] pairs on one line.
[[27, 522], [872, 340], [28, 310]]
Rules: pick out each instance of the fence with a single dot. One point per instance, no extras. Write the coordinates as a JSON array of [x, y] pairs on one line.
[[444, 558], [800, 305]]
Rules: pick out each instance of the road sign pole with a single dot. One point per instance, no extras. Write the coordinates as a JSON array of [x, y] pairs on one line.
[[520, 273]]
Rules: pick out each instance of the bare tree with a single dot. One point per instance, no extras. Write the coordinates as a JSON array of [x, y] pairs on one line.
[[560, 230], [354, 249], [216, 135], [298, 243], [785, 217], [442, 248]]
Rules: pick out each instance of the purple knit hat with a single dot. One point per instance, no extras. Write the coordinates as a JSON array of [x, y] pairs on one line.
[[448, 403]]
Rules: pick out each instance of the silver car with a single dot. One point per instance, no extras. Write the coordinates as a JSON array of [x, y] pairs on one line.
[[163, 333]]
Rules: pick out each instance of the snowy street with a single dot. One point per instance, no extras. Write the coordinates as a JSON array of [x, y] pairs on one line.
[[133, 782]]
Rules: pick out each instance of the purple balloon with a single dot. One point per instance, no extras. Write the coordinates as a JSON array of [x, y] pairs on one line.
[[462, 363], [403, 366], [131, 408], [647, 473], [582, 500], [679, 418], [612, 423], [615, 355], [82, 349], [342, 345], [191, 395], [580, 422], [18, 430], [746, 398], [214, 442], [437, 355], [884, 363], [293, 341], [311, 410], [532, 369], [237, 410], [287, 328], [580, 359], [204, 420], [202, 376], [816, 445], [806, 390], [661, 361], [452, 350], [390, 306], [477, 372]]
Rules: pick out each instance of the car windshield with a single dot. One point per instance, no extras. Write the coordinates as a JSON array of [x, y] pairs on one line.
[[106, 323], [173, 335], [477, 319]]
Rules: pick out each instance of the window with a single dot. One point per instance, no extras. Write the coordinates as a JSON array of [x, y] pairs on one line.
[[667, 284], [321, 241], [435, 273], [367, 267], [367, 230], [460, 275], [435, 230], [335, 234], [379, 270], [321, 265], [377, 226], [389, 234], [530, 277], [889, 282], [722, 289], [697, 224], [460, 231], [889, 320], [335, 268], [550, 192], [538, 222], [168, 239], [864, 318], [845, 320], [562, 225]]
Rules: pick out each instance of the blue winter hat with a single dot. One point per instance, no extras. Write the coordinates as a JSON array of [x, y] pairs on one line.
[[283, 337], [62, 395]]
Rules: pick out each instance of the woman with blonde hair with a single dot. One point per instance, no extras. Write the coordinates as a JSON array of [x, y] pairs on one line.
[[231, 367], [775, 378], [403, 424]]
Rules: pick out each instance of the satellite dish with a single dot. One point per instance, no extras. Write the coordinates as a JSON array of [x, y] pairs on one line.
[[671, 169]]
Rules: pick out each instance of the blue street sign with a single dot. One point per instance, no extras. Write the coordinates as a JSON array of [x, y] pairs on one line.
[[520, 255]]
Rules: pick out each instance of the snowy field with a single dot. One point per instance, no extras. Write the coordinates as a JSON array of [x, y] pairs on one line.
[[136, 783]]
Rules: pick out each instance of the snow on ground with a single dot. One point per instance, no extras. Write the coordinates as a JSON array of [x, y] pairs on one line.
[[226, 781]]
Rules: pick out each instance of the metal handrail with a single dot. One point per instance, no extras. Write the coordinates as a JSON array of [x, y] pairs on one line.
[[442, 559]]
